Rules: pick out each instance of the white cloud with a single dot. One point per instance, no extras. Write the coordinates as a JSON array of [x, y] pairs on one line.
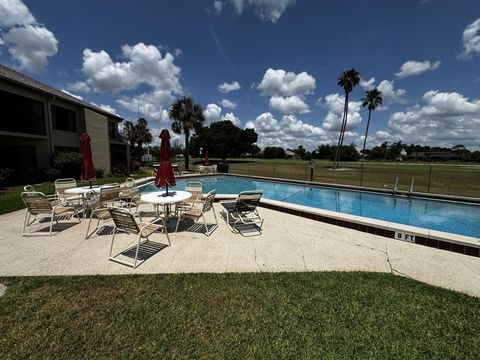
[[446, 118], [230, 116], [80, 86], [269, 10], [471, 39], [31, 46], [367, 84], [287, 132], [387, 88], [390, 94], [151, 105], [217, 7], [228, 104], [413, 67], [107, 108], [144, 65], [75, 96], [227, 87], [333, 120], [282, 83], [28, 43], [14, 12], [288, 105], [213, 113]]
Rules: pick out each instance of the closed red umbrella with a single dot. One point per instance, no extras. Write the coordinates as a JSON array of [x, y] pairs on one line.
[[165, 176], [206, 157], [88, 171]]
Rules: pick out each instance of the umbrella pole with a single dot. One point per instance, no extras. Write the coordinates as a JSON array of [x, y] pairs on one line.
[[90, 181], [166, 187]]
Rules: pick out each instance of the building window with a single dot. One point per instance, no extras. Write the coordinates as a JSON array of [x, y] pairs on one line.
[[21, 114], [65, 149], [64, 119], [112, 130]]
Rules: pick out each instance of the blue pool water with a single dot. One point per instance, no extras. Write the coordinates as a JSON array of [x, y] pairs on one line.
[[457, 218]]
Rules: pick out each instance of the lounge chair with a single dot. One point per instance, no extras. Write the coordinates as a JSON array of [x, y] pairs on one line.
[[243, 212], [125, 221], [198, 210], [37, 204]]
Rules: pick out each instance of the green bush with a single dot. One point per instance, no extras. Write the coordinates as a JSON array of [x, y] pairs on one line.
[[49, 174], [99, 173], [70, 164], [120, 169]]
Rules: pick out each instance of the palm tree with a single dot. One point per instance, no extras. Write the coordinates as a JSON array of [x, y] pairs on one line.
[[186, 117], [347, 80], [372, 99]]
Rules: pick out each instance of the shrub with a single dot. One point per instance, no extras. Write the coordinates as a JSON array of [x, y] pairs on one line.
[[49, 174], [70, 164], [135, 165], [120, 169], [4, 174], [99, 173]]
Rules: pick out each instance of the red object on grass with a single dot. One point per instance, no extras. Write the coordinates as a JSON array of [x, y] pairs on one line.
[[88, 171], [165, 176], [206, 157]]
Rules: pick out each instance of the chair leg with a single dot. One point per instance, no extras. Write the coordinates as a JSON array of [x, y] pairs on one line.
[[87, 235], [178, 222], [136, 252], [215, 215], [51, 224], [113, 239], [27, 217], [205, 224]]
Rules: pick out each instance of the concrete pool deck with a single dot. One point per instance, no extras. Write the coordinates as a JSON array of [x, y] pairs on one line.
[[287, 243]]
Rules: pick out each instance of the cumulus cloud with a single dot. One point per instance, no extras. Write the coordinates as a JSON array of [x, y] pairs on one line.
[[445, 118], [389, 93], [14, 12], [80, 86], [227, 87], [333, 120], [471, 39], [217, 6], [413, 67], [144, 64], [282, 83], [151, 105], [213, 113], [289, 104], [268, 10], [228, 104], [287, 132], [28, 43]]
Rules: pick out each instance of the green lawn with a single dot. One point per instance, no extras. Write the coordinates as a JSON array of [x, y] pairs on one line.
[[10, 196], [236, 316], [446, 178]]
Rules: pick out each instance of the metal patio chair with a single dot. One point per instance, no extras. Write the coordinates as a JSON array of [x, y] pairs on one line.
[[37, 204], [64, 184], [198, 210], [243, 211], [125, 221]]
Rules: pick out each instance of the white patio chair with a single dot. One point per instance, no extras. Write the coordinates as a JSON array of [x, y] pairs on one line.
[[243, 211], [198, 210], [64, 184], [125, 221], [195, 188], [98, 205], [53, 198], [37, 204]]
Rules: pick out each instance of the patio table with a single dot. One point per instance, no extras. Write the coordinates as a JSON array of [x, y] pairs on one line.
[[159, 198]]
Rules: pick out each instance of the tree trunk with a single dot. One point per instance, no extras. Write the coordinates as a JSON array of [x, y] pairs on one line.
[[345, 109], [187, 154], [365, 143]]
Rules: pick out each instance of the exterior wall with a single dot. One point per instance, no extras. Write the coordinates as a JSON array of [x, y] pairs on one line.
[[97, 128]]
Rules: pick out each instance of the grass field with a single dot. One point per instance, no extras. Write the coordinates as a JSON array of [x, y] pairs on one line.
[[236, 316], [446, 178]]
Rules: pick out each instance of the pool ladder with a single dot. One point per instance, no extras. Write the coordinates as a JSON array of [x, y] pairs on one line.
[[395, 186]]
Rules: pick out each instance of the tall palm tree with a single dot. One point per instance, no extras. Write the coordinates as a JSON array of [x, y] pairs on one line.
[[186, 117], [372, 99], [347, 80]]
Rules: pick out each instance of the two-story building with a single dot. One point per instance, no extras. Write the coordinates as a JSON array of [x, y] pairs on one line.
[[38, 121]]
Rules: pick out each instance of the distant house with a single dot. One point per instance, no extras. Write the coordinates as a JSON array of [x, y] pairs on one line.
[[433, 156], [290, 154], [39, 121]]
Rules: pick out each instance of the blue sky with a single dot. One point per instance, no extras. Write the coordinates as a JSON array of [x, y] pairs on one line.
[[267, 64]]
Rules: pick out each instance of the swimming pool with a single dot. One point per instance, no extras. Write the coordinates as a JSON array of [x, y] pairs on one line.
[[452, 217]]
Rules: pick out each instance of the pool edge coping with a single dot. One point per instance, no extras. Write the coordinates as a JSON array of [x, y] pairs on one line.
[[432, 238]]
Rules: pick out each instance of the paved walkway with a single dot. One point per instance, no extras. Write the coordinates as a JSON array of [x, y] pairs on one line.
[[288, 243]]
